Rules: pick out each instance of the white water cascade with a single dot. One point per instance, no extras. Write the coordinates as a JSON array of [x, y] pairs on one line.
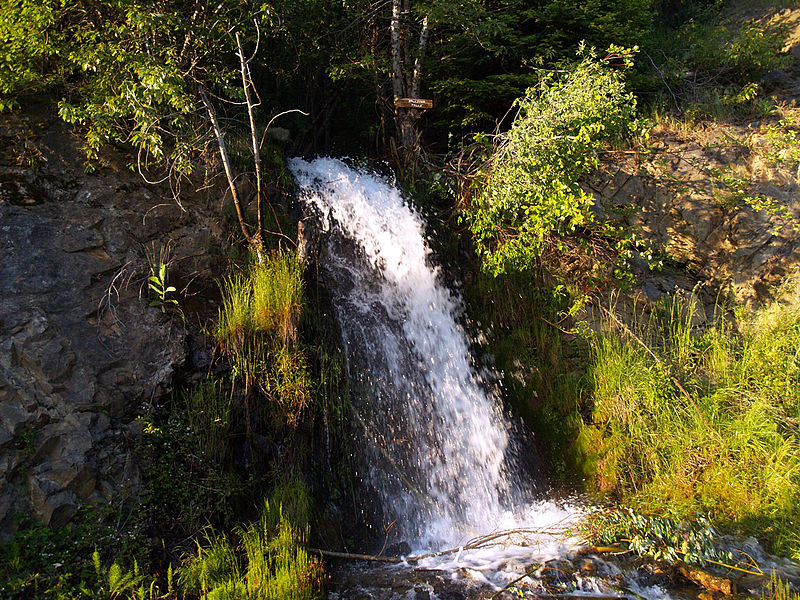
[[438, 444]]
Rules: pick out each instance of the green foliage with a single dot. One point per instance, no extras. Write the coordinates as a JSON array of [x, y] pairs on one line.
[[741, 51], [42, 564], [531, 189], [666, 537], [724, 439], [186, 486], [268, 563], [28, 31], [710, 65], [485, 56]]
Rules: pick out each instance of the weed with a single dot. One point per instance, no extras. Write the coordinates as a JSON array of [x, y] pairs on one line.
[[779, 590]]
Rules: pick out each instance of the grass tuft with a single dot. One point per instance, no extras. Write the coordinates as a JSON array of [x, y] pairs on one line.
[[268, 563], [257, 330]]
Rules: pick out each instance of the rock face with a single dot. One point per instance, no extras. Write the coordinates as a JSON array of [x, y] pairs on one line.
[[679, 196], [81, 350]]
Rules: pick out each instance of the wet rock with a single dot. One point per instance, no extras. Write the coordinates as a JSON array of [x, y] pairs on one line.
[[398, 549]]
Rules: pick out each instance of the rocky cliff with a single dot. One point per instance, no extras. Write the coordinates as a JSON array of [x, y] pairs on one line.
[[82, 352]]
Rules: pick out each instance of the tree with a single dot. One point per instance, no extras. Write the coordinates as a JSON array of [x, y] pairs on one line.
[[407, 71], [149, 75]]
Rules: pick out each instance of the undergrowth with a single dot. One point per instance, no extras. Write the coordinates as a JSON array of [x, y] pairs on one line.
[[264, 559], [702, 419]]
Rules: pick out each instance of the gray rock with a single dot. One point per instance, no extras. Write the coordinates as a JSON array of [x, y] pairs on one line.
[[81, 351]]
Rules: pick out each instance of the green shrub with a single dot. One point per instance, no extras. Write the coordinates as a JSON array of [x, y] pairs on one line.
[[531, 190]]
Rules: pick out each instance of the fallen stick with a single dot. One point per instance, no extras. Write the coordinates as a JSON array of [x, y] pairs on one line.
[[351, 556], [600, 550], [473, 544]]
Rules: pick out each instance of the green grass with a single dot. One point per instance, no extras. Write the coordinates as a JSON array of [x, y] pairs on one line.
[[266, 559], [702, 420], [267, 299], [779, 590], [277, 299], [257, 331]]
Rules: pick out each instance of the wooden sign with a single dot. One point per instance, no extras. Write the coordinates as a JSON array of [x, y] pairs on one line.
[[413, 103]]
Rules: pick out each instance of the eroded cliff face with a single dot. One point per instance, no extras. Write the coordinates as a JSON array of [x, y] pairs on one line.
[[81, 350], [675, 195], [698, 188]]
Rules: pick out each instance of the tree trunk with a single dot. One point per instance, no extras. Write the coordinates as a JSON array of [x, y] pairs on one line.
[[407, 80]]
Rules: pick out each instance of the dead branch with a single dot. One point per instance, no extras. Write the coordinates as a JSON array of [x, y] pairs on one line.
[[479, 542], [246, 83], [226, 163]]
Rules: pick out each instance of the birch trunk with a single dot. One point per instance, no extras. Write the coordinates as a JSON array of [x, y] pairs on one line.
[[226, 163]]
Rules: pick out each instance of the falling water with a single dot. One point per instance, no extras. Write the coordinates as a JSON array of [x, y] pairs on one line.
[[437, 440], [439, 449]]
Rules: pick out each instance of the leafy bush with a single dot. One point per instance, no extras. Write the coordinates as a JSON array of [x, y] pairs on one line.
[[531, 191]]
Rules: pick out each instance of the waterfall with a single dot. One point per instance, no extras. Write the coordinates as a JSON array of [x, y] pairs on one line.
[[435, 439]]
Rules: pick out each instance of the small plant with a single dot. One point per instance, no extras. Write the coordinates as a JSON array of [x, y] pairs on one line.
[[779, 590], [665, 537], [257, 331], [161, 293]]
